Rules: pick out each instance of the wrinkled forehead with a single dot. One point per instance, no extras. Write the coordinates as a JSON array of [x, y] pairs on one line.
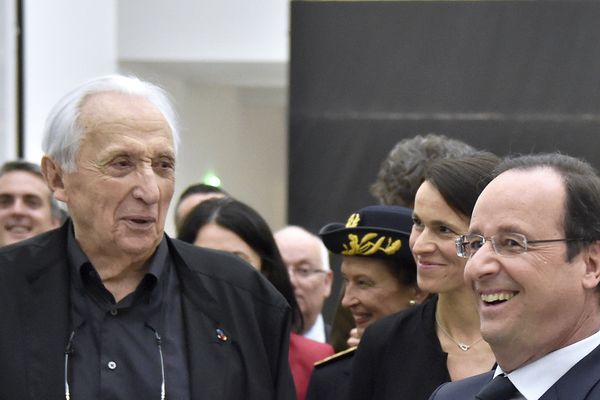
[[525, 199], [116, 109]]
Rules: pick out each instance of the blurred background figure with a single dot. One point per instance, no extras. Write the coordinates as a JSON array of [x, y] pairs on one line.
[[380, 279], [230, 225], [194, 195], [400, 175], [27, 206], [307, 261]]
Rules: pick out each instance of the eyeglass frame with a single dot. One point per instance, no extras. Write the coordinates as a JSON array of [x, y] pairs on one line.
[[306, 272], [69, 350], [460, 243]]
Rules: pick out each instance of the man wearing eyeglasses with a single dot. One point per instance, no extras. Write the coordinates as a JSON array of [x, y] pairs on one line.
[[108, 306], [534, 265], [307, 260]]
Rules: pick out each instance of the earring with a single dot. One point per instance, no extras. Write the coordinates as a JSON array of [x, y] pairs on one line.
[[412, 302]]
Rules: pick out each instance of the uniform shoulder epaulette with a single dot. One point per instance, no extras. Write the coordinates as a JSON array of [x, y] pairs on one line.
[[337, 356]]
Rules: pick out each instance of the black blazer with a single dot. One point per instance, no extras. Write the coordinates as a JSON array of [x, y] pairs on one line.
[[579, 383], [218, 291], [400, 357]]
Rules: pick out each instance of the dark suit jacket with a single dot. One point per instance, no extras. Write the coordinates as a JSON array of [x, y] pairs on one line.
[[579, 383], [218, 291]]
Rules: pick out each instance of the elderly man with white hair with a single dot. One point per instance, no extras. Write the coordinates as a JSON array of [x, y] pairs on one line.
[[108, 306], [307, 260]]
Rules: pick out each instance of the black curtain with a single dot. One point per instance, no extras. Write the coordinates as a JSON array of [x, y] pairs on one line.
[[506, 76]]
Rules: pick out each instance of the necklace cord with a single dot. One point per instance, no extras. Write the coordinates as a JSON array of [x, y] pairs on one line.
[[461, 345]]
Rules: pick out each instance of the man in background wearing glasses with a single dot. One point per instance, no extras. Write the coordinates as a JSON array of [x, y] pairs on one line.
[[534, 265], [307, 260]]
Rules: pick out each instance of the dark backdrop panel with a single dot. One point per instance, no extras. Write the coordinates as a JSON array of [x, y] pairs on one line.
[[335, 161], [397, 58], [507, 76]]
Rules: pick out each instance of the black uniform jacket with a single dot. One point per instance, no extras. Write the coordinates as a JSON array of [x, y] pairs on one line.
[[218, 291], [331, 377]]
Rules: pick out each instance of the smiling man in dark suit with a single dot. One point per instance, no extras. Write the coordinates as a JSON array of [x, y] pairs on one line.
[[108, 306], [534, 265]]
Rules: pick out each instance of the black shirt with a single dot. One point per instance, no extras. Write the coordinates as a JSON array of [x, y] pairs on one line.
[[115, 352]]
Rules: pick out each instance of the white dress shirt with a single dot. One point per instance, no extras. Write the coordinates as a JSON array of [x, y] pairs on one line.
[[533, 380], [317, 331]]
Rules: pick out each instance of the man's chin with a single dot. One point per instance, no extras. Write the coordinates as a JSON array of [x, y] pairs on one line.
[[15, 237], [137, 246]]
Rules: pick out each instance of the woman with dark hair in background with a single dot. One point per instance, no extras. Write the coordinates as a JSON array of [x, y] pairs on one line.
[[230, 225], [408, 355]]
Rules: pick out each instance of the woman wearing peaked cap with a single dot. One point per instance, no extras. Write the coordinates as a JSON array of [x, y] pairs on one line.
[[380, 279]]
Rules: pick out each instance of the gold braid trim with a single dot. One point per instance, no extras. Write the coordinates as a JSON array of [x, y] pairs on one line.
[[353, 221], [367, 246]]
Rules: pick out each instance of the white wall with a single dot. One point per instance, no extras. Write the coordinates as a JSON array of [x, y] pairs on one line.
[[8, 56], [203, 30], [66, 43]]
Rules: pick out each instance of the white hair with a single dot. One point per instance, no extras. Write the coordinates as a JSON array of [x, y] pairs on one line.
[[63, 133], [298, 230], [324, 256]]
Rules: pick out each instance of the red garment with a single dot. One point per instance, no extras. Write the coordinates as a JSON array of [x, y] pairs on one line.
[[302, 357]]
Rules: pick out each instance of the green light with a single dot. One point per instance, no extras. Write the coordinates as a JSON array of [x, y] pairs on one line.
[[210, 178]]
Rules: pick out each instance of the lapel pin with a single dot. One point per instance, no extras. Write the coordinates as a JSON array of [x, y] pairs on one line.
[[221, 335]]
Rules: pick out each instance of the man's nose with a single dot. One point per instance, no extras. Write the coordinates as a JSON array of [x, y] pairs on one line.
[[18, 206], [147, 188], [485, 262]]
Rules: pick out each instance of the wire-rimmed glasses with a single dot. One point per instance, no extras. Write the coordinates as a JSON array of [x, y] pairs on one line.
[[504, 243]]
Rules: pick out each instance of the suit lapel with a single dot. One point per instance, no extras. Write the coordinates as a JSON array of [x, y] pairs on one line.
[[46, 316], [578, 381], [208, 337]]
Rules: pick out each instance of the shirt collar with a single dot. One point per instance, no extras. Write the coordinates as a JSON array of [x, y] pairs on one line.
[[77, 258], [317, 331], [533, 380]]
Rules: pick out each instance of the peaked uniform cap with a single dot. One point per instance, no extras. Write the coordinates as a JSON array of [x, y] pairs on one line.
[[380, 231]]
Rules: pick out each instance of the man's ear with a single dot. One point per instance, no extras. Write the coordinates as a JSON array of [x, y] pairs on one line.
[[53, 175], [591, 279]]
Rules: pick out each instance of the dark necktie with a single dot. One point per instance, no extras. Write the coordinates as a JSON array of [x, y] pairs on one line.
[[499, 388]]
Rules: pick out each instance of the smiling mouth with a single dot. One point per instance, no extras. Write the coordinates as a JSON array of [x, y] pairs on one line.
[[497, 298], [18, 229], [361, 319]]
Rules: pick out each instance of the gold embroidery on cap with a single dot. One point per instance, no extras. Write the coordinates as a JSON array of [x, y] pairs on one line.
[[353, 221], [367, 247]]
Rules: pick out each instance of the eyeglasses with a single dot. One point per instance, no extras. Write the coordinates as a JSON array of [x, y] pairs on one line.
[[304, 272], [69, 350], [504, 244]]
